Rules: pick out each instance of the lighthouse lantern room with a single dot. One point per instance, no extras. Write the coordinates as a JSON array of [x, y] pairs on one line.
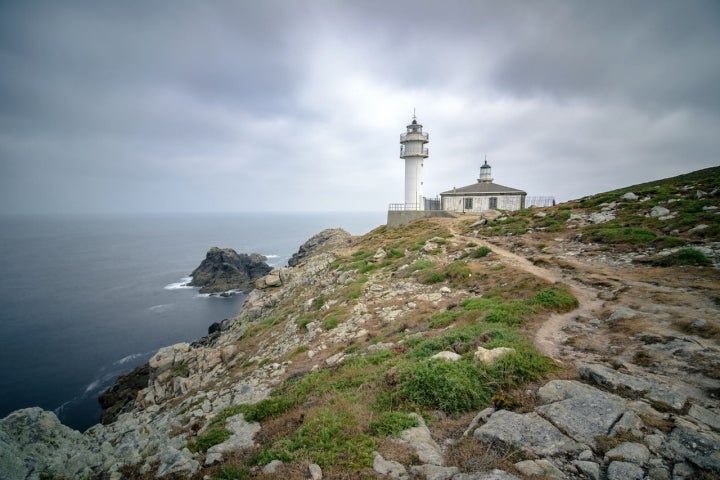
[[414, 152]]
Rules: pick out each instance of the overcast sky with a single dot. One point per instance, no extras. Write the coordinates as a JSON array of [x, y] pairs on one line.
[[196, 106]]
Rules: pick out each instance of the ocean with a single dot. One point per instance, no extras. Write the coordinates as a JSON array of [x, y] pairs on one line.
[[86, 298]]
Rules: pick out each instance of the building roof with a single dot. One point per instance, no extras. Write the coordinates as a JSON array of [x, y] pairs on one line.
[[479, 188]]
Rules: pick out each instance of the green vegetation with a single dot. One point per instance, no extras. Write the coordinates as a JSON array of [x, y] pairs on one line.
[[232, 472], [481, 252], [432, 276], [390, 424], [331, 322], [318, 302], [685, 256], [214, 435]]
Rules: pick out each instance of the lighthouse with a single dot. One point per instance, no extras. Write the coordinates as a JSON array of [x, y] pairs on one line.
[[414, 152]]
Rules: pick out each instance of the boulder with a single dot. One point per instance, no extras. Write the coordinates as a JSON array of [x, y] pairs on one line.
[[650, 389], [241, 436], [420, 439], [589, 469], [700, 448], [491, 475], [224, 269], [530, 433], [586, 416], [330, 236], [624, 471], [390, 468], [434, 472], [557, 390], [446, 355], [629, 452], [491, 355]]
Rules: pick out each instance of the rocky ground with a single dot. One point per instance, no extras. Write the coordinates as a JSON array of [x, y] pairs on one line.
[[338, 343]]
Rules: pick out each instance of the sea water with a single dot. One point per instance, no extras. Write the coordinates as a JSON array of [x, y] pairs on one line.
[[86, 298]]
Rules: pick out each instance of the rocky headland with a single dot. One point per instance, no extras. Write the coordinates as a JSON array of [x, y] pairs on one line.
[[224, 270], [578, 341]]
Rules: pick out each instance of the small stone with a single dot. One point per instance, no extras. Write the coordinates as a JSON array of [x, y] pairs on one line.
[[629, 452], [698, 228], [658, 211], [272, 466], [445, 290], [624, 471], [629, 197], [446, 355], [590, 470], [315, 471], [529, 468], [434, 472], [698, 323], [540, 215], [700, 194], [659, 473], [389, 467], [585, 455], [489, 356], [655, 441], [683, 471]]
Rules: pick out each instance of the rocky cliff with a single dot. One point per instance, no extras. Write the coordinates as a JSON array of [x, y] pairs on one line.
[[579, 341], [223, 270]]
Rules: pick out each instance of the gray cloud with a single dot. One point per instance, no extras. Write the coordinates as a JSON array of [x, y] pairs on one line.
[[207, 106]]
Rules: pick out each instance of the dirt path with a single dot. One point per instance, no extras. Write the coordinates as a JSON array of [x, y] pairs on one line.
[[550, 337]]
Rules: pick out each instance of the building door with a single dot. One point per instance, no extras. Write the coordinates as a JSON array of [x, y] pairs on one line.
[[493, 203]]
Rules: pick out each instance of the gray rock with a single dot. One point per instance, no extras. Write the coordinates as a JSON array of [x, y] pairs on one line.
[[658, 211], [173, 461], [683, 471], [630, 422], [419, 438], [621, 314], [629, 197], [315, 471], [629, 452], [447, 355], [482, 415], [558, 390], [609, 378], [700, 194], [241, 436], [389, 467], [434, 472], [708, 417], [585, 417], [530, 433], [658, 472], [601, 217], [590, 470], [272, 466], [586, 455], [624, 471], [331, 236], [700, 448], [655, 442], [34, 440], [539, 468], [491, 475], [699, 228]]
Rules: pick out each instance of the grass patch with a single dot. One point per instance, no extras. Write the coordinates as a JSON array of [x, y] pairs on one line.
[[555, 299], [390, 424], [232, 472], [620, 235], [215, 435], [318, 302], [432, 276], [685, 256], [480, 252]]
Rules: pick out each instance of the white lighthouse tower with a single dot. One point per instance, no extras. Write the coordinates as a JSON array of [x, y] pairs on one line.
[[414, 152]]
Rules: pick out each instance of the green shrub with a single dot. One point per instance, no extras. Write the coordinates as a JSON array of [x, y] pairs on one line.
[[390, 424], [453, 387], [432, 276], [457, 270], [685, 256], [443, 319], [331, 322], [232, 472], [318, 302], [267, 408], [481, 252], [330, 439], [395, 253], [555, 299], [621, 235], [216, 434]]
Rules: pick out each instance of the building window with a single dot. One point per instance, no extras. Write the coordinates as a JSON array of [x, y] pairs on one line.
[[468, 204], [493, 203]]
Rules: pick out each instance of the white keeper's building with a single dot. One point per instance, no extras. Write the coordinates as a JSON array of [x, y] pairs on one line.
[[482, 196]]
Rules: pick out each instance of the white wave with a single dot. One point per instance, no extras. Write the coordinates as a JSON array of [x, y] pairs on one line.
[[93, 386], [126, 359], [160, 308], [182, 284], [271, 256]]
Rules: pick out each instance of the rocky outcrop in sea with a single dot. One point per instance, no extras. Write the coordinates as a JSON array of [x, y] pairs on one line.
[[223, 270]]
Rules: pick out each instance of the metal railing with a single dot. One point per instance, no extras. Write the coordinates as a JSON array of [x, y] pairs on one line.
[[539, 201], [423, 135], [402, 207]]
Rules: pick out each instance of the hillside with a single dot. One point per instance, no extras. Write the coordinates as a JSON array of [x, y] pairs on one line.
[[577, 341]]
